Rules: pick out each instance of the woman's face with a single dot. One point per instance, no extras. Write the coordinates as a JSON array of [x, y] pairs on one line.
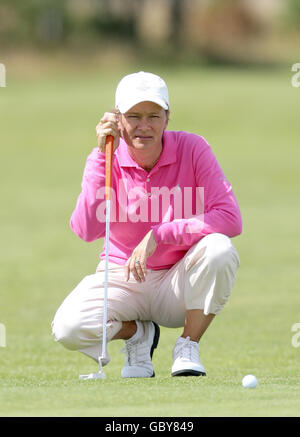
[[143, 125]]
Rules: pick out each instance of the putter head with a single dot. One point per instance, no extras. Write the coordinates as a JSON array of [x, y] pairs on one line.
[[98, 375]]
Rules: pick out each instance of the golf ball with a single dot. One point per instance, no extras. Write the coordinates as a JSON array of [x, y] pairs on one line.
[[249, 381]]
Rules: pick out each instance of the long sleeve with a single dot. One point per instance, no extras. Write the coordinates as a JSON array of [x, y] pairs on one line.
[[84, 222], [220, 212]]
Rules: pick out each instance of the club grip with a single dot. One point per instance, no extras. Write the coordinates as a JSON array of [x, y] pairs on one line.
[[109, 143]]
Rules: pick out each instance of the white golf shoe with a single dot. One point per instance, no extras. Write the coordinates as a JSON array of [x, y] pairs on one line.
[[138, 353], [186, 361]]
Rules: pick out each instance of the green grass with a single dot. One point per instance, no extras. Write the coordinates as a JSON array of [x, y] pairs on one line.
[[251, 120]]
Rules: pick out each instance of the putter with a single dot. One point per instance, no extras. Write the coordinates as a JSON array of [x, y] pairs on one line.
[[108, 177]]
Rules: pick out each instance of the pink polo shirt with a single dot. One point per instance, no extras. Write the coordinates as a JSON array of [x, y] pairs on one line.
[[183, 198]]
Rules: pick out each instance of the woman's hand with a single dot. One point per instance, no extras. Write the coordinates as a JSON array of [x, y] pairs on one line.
[[108, 125], [136, 263]]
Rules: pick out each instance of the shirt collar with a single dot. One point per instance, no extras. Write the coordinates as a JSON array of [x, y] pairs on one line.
[[168, 154]]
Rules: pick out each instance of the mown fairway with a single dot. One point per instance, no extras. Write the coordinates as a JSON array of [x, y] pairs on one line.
[[47, 128]]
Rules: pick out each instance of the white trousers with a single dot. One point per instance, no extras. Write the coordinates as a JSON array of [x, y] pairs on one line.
[[202, 279]]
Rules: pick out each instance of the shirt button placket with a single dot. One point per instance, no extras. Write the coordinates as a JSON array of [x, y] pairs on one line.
[[148, 187]]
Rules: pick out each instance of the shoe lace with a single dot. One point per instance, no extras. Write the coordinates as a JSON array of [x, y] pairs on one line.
[[130, 351], [187, 349], [135, 353]]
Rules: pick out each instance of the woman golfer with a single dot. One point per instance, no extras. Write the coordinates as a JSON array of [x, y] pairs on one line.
[[171, 259]]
